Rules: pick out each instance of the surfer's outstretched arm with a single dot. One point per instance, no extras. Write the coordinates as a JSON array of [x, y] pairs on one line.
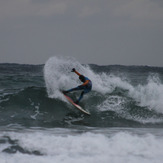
[[73, 70]]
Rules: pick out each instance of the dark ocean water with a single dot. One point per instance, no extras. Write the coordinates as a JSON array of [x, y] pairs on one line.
[[125, 104]]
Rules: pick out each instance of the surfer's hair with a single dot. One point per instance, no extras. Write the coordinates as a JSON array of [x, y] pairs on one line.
[[82, 78]]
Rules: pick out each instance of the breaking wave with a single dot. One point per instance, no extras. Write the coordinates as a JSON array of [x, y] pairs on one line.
[[121, 96]]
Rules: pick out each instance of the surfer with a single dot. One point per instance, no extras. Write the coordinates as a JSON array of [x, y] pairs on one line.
[[86, 86]]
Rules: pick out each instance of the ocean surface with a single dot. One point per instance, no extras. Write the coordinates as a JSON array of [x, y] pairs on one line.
[[38, 125]]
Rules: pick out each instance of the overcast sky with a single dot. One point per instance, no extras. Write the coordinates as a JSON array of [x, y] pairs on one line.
[[104, 32]]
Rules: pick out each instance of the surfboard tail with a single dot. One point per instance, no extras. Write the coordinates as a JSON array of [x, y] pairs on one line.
[[76, 105]]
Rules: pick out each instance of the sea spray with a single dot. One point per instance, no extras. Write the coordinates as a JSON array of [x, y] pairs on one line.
[[58, 76]]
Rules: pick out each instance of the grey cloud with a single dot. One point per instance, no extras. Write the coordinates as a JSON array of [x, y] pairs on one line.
[[102, 32]]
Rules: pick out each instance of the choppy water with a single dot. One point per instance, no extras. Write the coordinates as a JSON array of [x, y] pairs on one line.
[[37, 124]]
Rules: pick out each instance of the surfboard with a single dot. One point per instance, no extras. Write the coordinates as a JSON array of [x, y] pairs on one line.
[[76, 105]]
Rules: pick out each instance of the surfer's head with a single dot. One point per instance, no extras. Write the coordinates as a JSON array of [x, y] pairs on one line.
[[82, 78]]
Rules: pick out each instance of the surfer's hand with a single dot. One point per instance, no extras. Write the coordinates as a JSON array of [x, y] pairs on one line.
[[73, 70]]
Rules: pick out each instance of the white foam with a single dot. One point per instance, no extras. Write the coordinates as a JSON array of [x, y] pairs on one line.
[[150, 95], [90, 147], [112, 103]]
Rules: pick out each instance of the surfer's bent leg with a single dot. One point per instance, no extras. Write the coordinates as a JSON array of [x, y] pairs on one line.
[[86, 90], [74, 89], [81, 96]]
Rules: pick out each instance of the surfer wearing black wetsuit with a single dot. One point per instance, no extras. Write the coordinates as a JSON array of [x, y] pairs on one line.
[[86, 86]]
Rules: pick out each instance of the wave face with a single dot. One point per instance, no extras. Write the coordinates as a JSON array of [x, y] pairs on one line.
[[122, 96]]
